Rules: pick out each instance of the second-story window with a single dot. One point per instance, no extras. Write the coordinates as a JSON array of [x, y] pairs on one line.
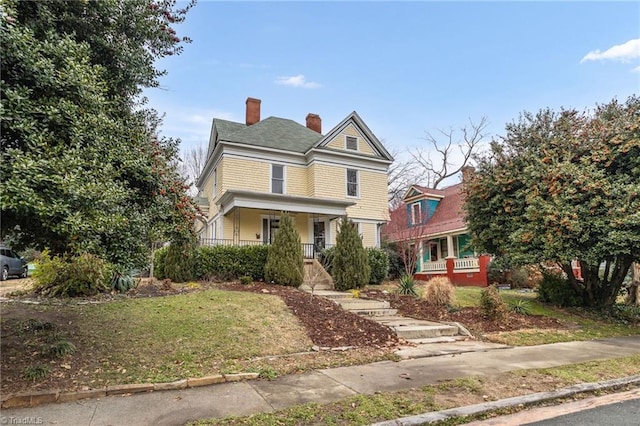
[[352, 182], [277, 179], [416, 216], [352, 143]]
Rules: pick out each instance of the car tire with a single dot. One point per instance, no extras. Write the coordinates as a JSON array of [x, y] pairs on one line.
[[25, 272], [5, 274]]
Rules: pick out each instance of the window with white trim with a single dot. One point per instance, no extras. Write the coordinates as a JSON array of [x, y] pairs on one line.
[[352, 182], [352, 143], [416, 213], [277, 179]]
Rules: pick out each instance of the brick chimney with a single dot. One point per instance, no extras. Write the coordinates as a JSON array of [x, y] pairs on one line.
[[314, 122], [467, 173], [253, 111]]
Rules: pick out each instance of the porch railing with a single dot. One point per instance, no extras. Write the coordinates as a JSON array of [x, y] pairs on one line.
[[466, 263], [438, 265], [309, 250]]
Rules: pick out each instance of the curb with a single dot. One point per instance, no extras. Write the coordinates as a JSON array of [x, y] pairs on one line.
[[31, 399], [533, 398]]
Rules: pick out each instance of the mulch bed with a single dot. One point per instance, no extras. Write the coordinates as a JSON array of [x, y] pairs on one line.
[[471, 318], [327, 324]]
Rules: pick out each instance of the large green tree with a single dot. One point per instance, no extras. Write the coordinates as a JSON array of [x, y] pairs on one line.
[[562, 186], [82, 166]]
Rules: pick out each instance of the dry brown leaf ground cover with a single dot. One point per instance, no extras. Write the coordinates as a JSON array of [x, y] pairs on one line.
[[471, 317]]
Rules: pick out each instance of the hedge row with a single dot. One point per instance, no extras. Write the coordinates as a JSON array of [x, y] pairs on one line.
[[221, 263]]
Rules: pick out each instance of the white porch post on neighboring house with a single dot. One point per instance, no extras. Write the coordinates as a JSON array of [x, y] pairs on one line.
[[450, 252]]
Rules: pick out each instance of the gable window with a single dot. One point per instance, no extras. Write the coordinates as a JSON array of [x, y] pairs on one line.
[[277, 179], [352, 143], [416, 214], [352, 182]]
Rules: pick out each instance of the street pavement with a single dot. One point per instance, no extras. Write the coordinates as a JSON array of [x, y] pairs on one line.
[[321, 386], [617, 409]]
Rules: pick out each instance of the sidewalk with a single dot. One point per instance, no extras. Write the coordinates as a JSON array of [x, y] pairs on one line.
[[321, 386]]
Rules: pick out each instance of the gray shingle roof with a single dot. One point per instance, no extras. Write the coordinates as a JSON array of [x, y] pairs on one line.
[[272, 132], [227, 128]]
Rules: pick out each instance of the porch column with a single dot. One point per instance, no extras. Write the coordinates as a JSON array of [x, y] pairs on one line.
[[450, 250], [450, 268]]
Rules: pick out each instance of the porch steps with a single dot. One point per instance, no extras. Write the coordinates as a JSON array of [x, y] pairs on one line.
[[410, 328], [415, 332], [331, 294]]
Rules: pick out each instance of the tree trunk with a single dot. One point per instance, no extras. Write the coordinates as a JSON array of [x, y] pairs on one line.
[[634, 288], [602, 291]]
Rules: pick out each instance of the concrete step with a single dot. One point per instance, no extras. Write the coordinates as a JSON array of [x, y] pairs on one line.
[[318, 287], [394, 321], [442, 339], [330, 294], [360, 304], [424, 331], [374, 312], [446, 348]]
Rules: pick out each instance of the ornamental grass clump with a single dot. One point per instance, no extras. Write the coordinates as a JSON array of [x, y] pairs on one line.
[[493, 307], [407, 286], [439, 292]]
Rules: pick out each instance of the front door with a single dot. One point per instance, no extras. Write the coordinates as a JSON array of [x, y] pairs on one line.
[[318, 236], [269, 229]]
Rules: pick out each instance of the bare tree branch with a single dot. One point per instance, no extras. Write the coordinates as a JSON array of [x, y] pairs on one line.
[[402, 174], [192, 164], [444, 166]]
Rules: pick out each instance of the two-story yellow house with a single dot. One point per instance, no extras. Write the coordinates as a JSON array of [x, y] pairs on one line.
[[258, 169]]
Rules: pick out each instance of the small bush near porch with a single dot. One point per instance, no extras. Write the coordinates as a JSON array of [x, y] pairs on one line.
[[284, 260]]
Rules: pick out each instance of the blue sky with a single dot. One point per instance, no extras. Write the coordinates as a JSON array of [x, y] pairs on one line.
[[405, 67]]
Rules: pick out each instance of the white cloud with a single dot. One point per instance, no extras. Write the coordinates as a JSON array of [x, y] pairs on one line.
[[297, 81], [621, 52], [636, 69]]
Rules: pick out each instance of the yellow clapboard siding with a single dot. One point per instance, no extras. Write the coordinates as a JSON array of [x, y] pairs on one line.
[[339, 142], [296, 181], [331, 182], [243, 173]]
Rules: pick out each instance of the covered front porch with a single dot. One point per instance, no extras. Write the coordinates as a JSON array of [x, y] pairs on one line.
[[451, 256], [250, 218]]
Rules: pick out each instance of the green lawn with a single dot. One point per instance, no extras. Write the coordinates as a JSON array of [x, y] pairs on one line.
[[581, 324], [156, 339]]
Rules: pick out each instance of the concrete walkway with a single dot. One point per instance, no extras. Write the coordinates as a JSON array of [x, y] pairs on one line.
[[321, 386]]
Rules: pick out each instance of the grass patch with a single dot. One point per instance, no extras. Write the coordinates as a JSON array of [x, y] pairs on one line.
[[367, 409], [164, 339], [36, 372]]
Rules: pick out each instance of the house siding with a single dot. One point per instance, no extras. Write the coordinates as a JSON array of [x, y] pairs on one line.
[[296, 181], [370, 205], [246, 174], [339, 141]]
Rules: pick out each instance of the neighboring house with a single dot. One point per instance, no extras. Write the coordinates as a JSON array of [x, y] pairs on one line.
[[432, 222], [258, 169]]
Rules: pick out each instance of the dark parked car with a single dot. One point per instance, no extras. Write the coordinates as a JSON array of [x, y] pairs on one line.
[[11, 264]]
